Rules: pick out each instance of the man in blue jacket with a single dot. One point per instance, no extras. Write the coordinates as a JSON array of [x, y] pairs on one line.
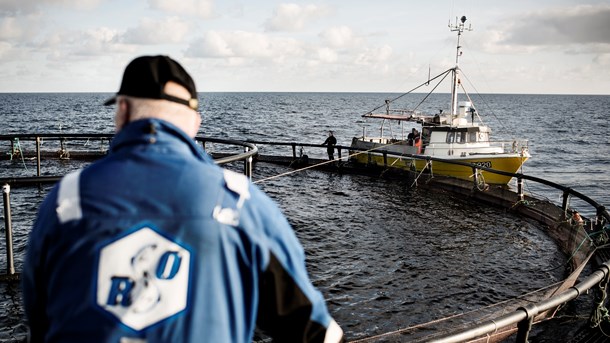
[[155, 243]]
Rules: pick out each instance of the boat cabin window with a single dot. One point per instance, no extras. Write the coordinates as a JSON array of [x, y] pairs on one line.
[[460, 137], [457, 137], [472, 137]]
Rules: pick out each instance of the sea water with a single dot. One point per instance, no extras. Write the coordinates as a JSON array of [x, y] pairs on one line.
[[386, 256]]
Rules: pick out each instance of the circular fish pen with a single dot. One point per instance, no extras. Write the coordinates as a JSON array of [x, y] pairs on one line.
[[417, 258]]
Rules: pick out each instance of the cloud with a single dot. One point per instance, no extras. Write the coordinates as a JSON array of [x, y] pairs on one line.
[[5, 50], [248, 53], [200, 8], [574, 25], [75, 45], [12, 7], [603, 59], [242, 44], [340, 37], [374, 56], [327, 55], [212, 44], [78, 4], [20, 29], [293, 17], [150, 32]]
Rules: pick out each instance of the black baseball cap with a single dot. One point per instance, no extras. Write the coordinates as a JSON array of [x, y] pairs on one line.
[[146, 76]]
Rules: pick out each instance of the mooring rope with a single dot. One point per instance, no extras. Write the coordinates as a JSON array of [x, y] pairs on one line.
[[18, 147], [420, 173], [296, 170], [600, 314], [587, 237], [392, 164], [324, 163]]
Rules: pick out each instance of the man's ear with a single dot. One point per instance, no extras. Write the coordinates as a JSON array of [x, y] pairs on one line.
[[122, 115]]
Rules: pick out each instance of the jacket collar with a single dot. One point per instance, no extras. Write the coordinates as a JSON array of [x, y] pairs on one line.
[[155, 131]]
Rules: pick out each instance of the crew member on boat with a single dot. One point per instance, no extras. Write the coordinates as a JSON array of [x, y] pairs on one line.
[[413, 136], [331, 141]]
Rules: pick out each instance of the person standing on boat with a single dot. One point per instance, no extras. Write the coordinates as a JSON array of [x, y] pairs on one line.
[[156, 243], [413, 136], [330, 142]]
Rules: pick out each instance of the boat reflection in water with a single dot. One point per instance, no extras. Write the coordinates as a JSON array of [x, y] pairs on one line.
[[457, 135]]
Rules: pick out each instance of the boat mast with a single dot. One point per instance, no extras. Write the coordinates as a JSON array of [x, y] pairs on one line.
[[459, 27]]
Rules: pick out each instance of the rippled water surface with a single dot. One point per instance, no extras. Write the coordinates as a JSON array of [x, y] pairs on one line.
[[386, 256]]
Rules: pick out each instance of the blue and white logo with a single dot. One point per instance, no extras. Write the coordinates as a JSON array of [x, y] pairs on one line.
[[143, 278]]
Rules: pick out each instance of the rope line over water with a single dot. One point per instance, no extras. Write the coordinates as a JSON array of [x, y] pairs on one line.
[[346, 158]]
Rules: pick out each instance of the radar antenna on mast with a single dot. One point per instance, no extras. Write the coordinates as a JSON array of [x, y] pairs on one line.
[[458, 27]]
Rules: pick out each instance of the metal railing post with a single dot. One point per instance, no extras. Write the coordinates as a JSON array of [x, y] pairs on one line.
[[566, 203], [8, 227], [294, 151], [599, 218], [524, 327], [248, 164], [37, 156], [520, 188], [475, 177]]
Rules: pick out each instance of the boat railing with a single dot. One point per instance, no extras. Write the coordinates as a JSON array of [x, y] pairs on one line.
[[382, 140], [512, 146], [507, 146]]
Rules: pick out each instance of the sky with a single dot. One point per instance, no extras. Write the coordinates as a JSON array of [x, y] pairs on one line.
[[517, 46]]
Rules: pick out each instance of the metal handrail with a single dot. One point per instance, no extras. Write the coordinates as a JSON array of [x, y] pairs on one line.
[[53, 136], [528, 312], [250, 151]]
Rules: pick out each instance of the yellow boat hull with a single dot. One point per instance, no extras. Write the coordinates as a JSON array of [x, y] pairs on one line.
[[505, 162]]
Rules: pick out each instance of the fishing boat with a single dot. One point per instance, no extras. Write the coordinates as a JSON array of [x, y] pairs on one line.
[[454, 140]]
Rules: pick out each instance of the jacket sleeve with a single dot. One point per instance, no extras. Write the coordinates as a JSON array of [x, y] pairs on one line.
[[290, 308], [285, 310]]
